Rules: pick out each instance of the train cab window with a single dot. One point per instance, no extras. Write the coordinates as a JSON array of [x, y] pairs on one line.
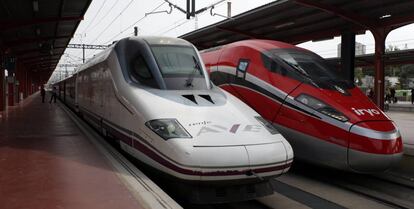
[[141, 73], [177, 61], [272, 65], [308, 67], [180, 67]]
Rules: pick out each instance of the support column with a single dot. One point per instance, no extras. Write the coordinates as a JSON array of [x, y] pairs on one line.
[[2, 93], [11, 90], [18, 70], [348, 55], [26, 83], [380, 34]]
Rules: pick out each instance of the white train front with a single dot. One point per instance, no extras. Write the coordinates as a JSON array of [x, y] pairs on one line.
[[154, 95]]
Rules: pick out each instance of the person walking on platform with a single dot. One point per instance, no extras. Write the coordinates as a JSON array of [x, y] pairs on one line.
[[412, 95], [43, 93], [371, 94], [393, 98], [54, 95]]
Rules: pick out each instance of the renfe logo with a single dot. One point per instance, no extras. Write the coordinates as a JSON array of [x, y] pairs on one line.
[[371, 112]]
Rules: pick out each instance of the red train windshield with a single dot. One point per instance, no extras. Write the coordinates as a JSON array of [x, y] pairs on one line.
[[310, 67]]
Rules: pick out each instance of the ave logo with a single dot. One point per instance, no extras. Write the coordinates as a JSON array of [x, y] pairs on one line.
[[371, 112], [233, 129]]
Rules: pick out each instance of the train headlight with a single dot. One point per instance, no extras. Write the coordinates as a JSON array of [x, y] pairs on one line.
[[321, 107], [168, 128], [267, 125]]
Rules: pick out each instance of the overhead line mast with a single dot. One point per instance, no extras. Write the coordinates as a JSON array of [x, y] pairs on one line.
[[190, 9], [86, 46]]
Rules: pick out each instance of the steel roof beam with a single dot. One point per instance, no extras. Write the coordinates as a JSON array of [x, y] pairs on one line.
[[244, 33], [396, 22], [43, 66], [39, 61], [33, 40], [29, 51], [36, 57], [10, 24], [349, 16], [315, 36], [62, 5]]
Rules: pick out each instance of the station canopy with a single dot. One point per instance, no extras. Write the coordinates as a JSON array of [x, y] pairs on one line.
[[297, 21], [405, 56], [36, 32]]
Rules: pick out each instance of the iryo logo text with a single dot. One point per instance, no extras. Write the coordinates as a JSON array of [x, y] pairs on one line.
[[371, 112]]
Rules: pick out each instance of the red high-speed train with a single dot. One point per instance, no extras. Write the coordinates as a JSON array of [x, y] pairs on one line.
[[327, 120]]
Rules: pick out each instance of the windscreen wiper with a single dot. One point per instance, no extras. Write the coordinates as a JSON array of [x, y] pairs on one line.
[[297, 68], [197, 67], [302, 72]]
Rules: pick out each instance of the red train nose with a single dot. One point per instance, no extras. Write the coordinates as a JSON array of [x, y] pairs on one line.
[[374, 146]]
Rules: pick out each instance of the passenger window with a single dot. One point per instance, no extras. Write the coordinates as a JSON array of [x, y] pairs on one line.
[[141, 72]]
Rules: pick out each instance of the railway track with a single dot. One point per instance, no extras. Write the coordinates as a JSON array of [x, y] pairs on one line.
[[383, 188]]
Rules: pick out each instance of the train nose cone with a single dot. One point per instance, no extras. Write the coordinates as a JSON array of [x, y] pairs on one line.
[[374, 146], [270, 159]]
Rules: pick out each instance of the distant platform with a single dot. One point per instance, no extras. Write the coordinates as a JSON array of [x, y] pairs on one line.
[[402, 107]]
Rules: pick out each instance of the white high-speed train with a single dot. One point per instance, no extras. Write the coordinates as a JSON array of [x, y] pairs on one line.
[[154, 95]]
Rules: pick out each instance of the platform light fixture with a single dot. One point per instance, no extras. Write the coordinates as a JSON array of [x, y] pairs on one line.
[[35, 6], [385, 16], [221, 41], [283, 25]]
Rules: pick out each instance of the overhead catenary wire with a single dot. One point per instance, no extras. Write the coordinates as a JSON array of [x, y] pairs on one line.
[[94, 17], [173, 24], [100, 20], [133, 24], [105, 15], [185, 21], [112, 22]]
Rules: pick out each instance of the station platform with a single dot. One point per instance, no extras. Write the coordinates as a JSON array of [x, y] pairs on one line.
[[47, 162], [401, 106], [405, 122]]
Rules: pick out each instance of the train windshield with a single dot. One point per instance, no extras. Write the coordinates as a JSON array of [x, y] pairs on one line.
[[180, 66], [311, 67]]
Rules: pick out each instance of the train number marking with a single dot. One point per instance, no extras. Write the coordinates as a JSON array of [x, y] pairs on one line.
[[371, 112]]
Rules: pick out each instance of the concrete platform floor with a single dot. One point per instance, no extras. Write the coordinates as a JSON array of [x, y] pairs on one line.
[[46, 162], [402, 106], [405, 122]]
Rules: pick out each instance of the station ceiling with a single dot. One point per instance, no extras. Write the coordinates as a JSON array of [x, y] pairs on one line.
[[37, 32], [297, 21]]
